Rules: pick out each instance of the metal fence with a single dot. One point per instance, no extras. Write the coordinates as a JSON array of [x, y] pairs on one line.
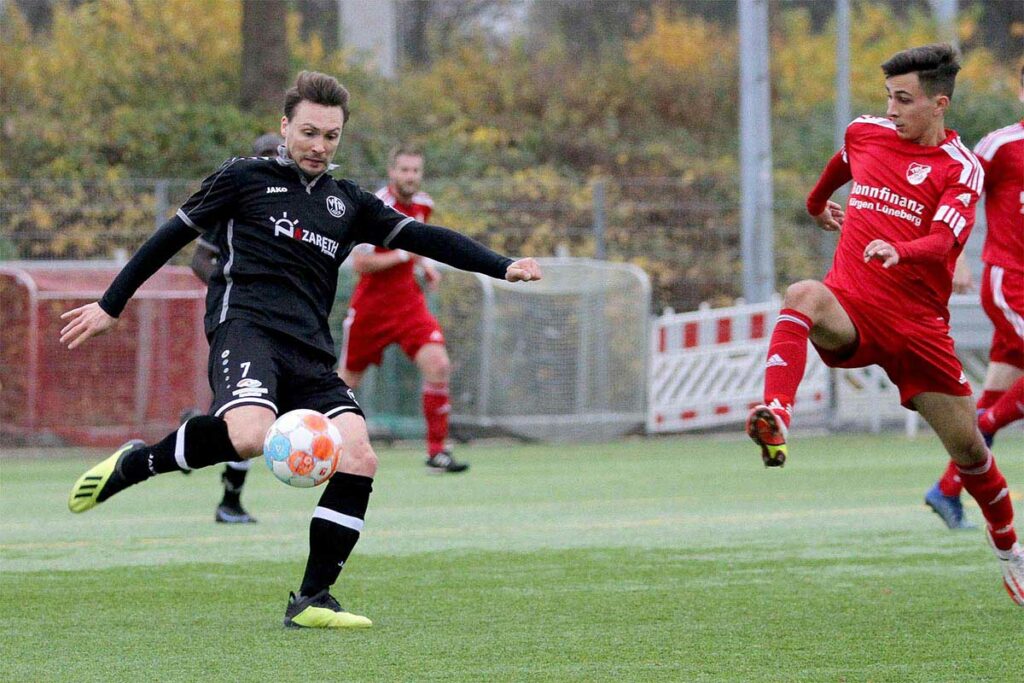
[[684, 233]]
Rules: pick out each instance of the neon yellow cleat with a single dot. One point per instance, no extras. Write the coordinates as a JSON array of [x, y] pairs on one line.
[[769, 432], [320, 611], [86, 493]]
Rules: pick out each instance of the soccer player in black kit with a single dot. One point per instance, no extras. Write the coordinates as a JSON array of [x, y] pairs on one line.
[[284, 226]]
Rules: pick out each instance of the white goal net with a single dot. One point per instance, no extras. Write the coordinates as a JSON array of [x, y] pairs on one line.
[[559, 359]]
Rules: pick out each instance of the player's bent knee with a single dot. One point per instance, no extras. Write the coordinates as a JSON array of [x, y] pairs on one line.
[[805, 295], [248, 445], [439, 370], [247, 435], [358, 457]]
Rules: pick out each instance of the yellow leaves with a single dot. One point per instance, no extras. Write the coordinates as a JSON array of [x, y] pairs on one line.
[[803, 62], [115, 51], [306, 50], [685, 69], [683, 46], [980, 68], [488, 137], [41, 216]]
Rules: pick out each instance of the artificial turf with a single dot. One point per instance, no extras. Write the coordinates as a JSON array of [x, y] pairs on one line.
[[674, 559]]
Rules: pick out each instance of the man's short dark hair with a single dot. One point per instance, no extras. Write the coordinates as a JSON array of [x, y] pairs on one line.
[[403, 150], [318, 88], [936, 66]]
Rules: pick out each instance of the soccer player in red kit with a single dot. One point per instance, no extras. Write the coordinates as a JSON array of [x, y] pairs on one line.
[[1001, 153], [388, 307], [885, 300]]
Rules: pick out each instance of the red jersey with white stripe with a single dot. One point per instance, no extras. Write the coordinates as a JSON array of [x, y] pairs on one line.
[[900, 189], [1001, 153], [393, 288]]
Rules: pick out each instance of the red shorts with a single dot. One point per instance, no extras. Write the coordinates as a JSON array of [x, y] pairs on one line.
[[1002, 297], [916, 353], [368, 333]]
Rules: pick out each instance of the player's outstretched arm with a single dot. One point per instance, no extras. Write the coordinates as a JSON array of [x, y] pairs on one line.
[[458, 250], [523, 270], [827, 213], [101, 316], [85, 322]]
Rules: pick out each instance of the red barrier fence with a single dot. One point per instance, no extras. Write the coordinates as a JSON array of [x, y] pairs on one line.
[[133, 382]]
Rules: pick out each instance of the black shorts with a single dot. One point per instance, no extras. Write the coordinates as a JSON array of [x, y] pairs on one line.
[[253, 366]]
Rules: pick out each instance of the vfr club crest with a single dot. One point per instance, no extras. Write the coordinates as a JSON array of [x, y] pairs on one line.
[[335, 206], [916, 173]]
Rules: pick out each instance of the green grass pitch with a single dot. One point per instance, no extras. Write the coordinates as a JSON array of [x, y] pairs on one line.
[[674, 559]]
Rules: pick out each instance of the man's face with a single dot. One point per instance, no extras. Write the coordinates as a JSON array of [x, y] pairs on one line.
[[312, 135], [911, 109], [406, 174]]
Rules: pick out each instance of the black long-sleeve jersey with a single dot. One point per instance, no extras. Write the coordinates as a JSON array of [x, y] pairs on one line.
[[281, 237]]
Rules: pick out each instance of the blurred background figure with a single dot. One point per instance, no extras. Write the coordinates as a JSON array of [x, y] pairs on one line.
[[204, 262], [389, 307]]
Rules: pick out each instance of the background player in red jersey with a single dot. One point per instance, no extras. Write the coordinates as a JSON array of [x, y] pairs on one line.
[[885, 300], [1001, 153], [388, 307], [204, 262]]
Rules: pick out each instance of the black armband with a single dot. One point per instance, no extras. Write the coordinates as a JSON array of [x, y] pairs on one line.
[[168, 240], [450, 247]]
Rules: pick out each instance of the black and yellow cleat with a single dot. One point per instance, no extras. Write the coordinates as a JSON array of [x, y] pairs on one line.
[[320, 611], [95, 486]]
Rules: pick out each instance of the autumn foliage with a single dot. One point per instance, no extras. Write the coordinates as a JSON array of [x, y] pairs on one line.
[[120, 90]]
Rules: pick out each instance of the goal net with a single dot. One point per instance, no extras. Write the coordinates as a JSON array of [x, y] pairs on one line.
[[559, 359]]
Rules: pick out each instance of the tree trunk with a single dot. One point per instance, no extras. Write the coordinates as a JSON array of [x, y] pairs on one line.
[[413, 18], [265, 71]]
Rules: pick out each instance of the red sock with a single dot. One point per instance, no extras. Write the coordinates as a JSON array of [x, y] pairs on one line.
[[435, 409], [787, 359], [1009, 408], [988, 487], [950, 483], [989, 398]]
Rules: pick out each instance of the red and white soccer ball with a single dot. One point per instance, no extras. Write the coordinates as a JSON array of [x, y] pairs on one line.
[[302, 448]]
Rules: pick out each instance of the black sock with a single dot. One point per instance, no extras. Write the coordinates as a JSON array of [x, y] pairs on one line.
[[204, 442], [334, 529], [234, 480]]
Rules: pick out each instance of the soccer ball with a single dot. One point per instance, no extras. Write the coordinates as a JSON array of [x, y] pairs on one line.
[[302, 448]]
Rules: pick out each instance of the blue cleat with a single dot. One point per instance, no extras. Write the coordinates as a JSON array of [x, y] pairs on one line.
[[949, 508]]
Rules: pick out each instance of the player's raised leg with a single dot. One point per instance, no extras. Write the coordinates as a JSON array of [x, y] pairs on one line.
[[334, 531], [201, 441], [810, 310], [953, 419]]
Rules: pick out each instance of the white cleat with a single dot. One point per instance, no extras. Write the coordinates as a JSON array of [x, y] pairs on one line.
[[1012, 563]]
